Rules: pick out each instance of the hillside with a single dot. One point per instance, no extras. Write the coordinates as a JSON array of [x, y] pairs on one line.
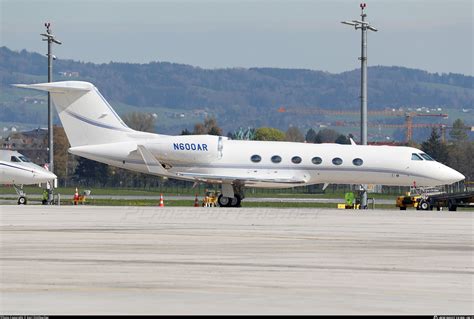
[[238, 97]]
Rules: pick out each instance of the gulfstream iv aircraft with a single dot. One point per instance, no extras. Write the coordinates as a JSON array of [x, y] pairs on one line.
[[96, 132], [17, 169]]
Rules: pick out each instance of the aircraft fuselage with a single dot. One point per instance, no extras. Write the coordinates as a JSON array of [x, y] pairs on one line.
[[307, 163]]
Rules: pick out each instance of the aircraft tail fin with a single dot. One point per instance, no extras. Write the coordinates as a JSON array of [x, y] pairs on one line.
[[87, 117]]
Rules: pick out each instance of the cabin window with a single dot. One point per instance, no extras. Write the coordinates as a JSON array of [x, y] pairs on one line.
[[357, 161], [15, 159], [316, 160], [426, 157], [255, 158], [416, 157], [276, 159], [296, 159], [337, 161]]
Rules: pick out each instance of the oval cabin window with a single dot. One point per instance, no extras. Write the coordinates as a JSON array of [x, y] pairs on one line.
[[337, 161], [276, 159], [296, 159], [357, 162], [316, 160], [255, 158]]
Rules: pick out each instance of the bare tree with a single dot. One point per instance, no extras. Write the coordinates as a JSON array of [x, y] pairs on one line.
[[208, 127], [144, 122], [293, 134]]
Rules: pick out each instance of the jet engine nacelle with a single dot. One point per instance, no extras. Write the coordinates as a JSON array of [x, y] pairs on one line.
[[197, 148]]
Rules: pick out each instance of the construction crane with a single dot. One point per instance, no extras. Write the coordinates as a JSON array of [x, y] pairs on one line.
[[444, 128], [409, 125]]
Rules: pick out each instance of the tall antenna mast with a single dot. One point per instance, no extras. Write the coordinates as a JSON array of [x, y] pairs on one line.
[[363, 26], [48, 36]]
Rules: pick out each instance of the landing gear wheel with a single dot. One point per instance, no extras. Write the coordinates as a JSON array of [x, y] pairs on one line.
[[228, 201], [224, 201], [22, 200], [235, 202]]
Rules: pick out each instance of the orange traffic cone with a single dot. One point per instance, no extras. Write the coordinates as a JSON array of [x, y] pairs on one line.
[[161, 201], [196, 201]]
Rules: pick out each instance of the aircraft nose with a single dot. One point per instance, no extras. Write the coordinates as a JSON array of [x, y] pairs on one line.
[[452, 176], [456, 176], [44, 176]]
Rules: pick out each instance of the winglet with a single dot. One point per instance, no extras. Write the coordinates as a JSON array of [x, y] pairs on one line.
[[352, 141]]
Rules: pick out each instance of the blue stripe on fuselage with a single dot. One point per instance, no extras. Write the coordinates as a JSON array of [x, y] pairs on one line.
[[95, 123], [24, 169]]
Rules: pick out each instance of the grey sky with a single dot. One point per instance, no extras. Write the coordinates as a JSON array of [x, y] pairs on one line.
[[433, 35]]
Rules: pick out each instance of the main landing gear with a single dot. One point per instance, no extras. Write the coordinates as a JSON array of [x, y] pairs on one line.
[[231, 196], [228, 201]]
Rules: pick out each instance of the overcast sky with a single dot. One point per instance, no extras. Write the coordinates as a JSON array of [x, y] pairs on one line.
[[432, 35]]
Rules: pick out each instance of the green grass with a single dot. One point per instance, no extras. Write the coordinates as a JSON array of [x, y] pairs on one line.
[[182, 191], [65, 191]]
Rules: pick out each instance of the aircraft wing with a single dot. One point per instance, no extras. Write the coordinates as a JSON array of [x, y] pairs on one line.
[[154, 166], [243, 179]]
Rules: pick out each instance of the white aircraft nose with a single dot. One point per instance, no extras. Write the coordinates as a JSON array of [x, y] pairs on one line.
[[448, 175], [455, 176], [44, 176]]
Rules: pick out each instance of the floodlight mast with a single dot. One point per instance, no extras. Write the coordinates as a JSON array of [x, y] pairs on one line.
[[48, 36], [364, 26]]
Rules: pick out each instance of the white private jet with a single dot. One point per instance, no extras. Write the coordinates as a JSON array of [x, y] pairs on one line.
[[96, 132], [17, 169]]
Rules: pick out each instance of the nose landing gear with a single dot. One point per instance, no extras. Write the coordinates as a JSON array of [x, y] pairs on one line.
[[22, 200]]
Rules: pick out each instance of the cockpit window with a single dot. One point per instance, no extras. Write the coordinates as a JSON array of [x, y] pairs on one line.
[[416, 157], [15, 159], [24, 159], [426, 157]]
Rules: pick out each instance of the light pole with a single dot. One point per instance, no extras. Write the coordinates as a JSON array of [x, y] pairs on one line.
[[363, 26], [50, 38]]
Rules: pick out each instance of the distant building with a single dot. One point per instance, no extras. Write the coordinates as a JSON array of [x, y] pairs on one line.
[[32, 143], [31, 100], [69, 74], [29, 140]]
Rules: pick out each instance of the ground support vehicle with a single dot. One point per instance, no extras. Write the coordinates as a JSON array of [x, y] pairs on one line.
[[422, 200], [408, 201], [210, 199], [450, 200]]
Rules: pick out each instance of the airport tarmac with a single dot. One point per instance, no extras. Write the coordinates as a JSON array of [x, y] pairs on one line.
[[179, 260]]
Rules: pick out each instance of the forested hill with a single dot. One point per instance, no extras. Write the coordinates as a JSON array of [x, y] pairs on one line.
[[163, 84]]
